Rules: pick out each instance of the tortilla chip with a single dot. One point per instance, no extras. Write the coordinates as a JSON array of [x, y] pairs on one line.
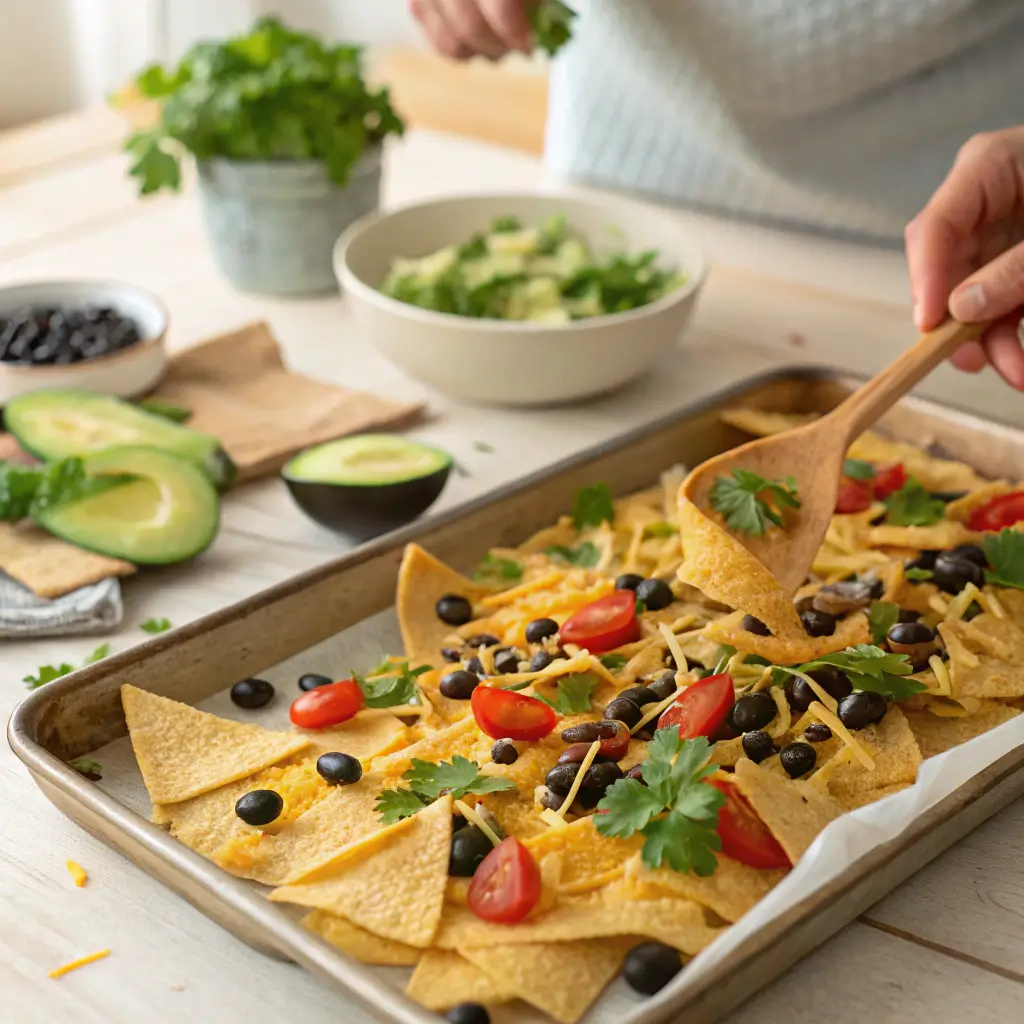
[[730, 892], [183, 752], [395, 888], [358, 943], [516, 816], [895, 753], [678, 923], [937, 537], [962, 508], [462, 737], [851, 801], [368, 735], [934, 473], [986, 657], [794, 811], [444, 979], [589, 860], [762, 423], [789, 648], [422, 581], [562, 979], [935, 734]]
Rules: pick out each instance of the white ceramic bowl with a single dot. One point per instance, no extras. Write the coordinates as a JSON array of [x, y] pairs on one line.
[[130, 372], [498, 362]]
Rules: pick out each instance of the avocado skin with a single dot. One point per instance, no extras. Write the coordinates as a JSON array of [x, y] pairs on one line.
[[365, 511], [221, 469]]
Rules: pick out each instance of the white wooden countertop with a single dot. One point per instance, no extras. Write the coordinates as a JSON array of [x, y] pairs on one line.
[[946, 946]]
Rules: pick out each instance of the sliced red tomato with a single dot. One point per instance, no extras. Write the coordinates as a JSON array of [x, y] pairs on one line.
[[604, 624], [999, 513], [745, 837], [888, 479], [701, 709], [853, 496], [506, 886], [507, 715], [327, 705]]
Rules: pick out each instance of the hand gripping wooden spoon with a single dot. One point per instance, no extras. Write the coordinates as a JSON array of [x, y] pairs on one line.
[[814, 455]]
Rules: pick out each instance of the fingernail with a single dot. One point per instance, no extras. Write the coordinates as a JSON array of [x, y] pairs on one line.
[[917, 317], [969, 303]]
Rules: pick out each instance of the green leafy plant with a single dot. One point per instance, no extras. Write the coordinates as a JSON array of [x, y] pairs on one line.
[[88, 768], [427, 781], [882, 616], [272, 94], [913, 505], [551, 21], [750, 503], [25, 491], [676, 811], [870, 668], [585, 555], [156, 626], [390, 685], [919, 575], [858, 469], [660, 529], [493, 570], [47, 673], [572, 694], [613, 662], [592, 506], [1005, 553]]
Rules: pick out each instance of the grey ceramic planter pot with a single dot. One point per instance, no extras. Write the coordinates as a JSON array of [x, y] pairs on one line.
[[273, 224]]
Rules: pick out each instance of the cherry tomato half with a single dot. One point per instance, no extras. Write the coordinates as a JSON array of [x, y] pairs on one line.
[[745, 837], [604, 624], [853, 496], [999, 513], [888, 480], [506, 886], [327, 705], [701, 709], [507, 715]]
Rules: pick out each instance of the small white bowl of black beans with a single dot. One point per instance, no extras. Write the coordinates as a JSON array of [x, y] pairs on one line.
[[94, 335]]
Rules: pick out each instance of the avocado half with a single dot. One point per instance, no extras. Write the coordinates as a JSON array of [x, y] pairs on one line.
[[367, 484]]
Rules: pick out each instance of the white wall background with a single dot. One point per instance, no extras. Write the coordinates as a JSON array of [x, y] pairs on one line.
[[60, 55]]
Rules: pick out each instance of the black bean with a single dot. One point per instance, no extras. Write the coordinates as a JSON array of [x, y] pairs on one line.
[[476, 666], [952, 573], [663, 686], [861, 709], [817, 732], [468, 848], [311, 680], [628, 581], [459, 685], [909, 633], [451, 654], [755, 626], [650, 966], [587, 732], [506, 661], [468, 1013], [454, 610], [539, 630], [972, 553], [758, 745], [925, 561], [817, 623], [752, 711], [575, 753], [655, 594], [908, 615], [832, 680], [640, 695], [797, 758], [252, 693], [560, 778], [540, 661], [596, 781], [483, 640], [550, 800], [504, 752], [622, 709]]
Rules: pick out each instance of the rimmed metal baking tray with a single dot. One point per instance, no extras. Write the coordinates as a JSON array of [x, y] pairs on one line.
[[81, 713]]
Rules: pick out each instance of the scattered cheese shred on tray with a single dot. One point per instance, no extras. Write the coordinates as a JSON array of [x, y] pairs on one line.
[[82, 961], [77, 872]]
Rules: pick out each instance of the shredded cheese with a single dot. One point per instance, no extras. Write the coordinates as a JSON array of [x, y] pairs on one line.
[[765, 680], [471, 814], [823, 714], [656, 709], [486, 656], [938, 604], [820, 692], [936, 664], [606, 540], [512, 595], [823, 776], [735, 662], [784, 718], [958, 606], [59, 972], [673, 645], [77, 872], [578, 781], [991, 604], [552, 818], [629, 562]]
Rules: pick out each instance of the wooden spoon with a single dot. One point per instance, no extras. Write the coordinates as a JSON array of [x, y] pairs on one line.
[[813, 454]]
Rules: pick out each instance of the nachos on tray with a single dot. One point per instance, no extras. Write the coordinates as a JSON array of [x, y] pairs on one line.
[[582, 764]]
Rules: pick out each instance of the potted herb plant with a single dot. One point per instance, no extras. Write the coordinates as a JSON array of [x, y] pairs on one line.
[[287, 139]]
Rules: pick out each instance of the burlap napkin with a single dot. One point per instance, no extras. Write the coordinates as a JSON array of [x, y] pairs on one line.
[[237, 387]]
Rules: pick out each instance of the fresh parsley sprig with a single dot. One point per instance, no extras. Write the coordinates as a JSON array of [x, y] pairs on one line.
[[676, 811], [870, 668], [750, 503], [493, 570], [390, 685], [572, 694], [882, 616], [593, 506], [1005, 553], [427, 781], [585, 555], [913, 505]]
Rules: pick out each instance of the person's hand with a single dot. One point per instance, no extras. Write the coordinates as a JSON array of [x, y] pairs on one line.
[[965, 254], [461, 29]]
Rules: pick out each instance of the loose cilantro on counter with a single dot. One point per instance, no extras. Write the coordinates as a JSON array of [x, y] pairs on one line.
[[592, 506], [85, 767], [1005, 553], [585, 555], [750, 503], [913, 505], [427, 781], [676, 811], [48, 673], [156, 626], [882, 616], [498, 570], [390, 685], [572, 694]]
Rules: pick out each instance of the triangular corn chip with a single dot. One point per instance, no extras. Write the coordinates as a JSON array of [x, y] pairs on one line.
[[394, 888], [794, 811], [562, 979], [422, 581], [893, 749], [986, 655], [851, 801], [444, 979], [763, 423], [358, 943], [730, 892], [589, 861], [370, 734], [463, 737], [935, 734], [183, 752]]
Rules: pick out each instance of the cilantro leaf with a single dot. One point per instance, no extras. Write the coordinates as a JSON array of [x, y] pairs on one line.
[[156, 626], [676, 812], [98, 655], [750, 503], [46, 674], [166, 410], [613, 662], [858, 469], [84, 766], [483, 446], [498, 570], [585, 555], [25, 491], [870, 668], [913, 505], [153, 164], [882, 616], [458, 776], [395, 804], [918, 575], [574, 692], [1005, 553], [592, 506], [551, 21], [390, 685], [660, 529]]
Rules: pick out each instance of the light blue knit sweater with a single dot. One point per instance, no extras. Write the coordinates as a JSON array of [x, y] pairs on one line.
[[833, 115]]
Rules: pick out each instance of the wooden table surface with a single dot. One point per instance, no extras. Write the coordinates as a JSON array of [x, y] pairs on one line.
[[946, 946]]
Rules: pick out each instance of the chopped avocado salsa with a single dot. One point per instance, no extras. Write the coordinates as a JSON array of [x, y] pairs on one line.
[[538, 274]]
